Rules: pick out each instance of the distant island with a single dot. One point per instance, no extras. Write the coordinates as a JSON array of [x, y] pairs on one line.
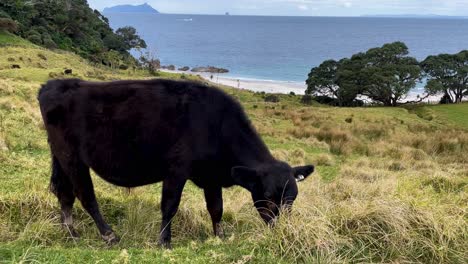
[[144, 8]]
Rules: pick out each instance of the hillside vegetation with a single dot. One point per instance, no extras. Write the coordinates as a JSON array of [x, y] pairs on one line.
[[390, 184], [72, 26]]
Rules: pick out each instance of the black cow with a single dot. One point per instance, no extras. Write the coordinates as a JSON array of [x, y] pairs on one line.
[[133, 133]]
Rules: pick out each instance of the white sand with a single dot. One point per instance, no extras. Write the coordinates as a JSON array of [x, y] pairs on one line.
[[283, 87], [260, 85]]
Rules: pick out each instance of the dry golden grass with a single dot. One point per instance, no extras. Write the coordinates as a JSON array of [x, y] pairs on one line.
[[389, 187]]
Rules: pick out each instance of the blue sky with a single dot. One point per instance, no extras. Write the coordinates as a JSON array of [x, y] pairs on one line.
[[300, 7]]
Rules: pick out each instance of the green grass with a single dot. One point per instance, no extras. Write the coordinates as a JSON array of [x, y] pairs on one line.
[[8, 39], [455, 114], [390, 185]]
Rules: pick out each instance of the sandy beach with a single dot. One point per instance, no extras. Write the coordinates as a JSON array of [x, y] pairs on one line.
[[255, 85], [282, 87]]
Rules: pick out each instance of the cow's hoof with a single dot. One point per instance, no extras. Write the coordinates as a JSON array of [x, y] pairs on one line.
[[71, 232], [111, 238], [219, 232], [165, 244]]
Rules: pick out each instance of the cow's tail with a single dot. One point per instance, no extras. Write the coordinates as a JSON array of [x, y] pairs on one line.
[[56, 180]]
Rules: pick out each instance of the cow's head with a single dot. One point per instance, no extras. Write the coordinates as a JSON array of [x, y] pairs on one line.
[[273, 186]]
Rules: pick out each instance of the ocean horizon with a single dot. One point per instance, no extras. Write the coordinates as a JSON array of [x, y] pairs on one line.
[[282, 48]]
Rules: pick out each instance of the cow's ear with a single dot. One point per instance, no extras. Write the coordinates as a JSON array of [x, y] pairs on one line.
[[244, 177], [302, 172]]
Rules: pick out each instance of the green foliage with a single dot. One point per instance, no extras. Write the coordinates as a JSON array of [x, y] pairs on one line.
[[8, 24], [307, 99], [149, 62], [323, 80], [3, 14], [68, 25], [448, 75], [390, 73], [272, 98], [385, 74], [130, 38]]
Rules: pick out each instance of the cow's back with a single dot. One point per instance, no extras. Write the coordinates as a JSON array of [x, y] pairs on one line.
[[129, 132]]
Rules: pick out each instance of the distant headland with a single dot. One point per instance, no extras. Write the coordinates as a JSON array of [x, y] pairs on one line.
[[144, 8], [415, 16]]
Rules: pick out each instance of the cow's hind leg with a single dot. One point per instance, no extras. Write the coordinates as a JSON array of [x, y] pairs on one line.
[[214, 203], [61, 186], [171, 194], [84, 191]]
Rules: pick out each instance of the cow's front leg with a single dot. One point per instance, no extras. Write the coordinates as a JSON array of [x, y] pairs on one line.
[[171, 193], [84, 190], [214, 203]]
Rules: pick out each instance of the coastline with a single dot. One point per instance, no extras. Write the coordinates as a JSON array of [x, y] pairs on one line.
[[255, 85], [282, 87]]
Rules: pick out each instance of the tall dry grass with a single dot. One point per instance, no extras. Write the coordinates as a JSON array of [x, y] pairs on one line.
[[389, 187]]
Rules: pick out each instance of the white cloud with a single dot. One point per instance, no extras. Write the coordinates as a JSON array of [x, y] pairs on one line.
[[348, 4], [303, 7]]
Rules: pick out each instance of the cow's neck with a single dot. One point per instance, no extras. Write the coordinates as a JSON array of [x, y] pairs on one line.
[[248, 149]]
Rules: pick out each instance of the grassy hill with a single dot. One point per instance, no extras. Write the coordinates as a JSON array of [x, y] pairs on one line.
[[456, 114], [390, 186]]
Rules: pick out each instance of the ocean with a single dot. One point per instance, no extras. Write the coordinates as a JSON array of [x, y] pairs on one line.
[[284, 48]]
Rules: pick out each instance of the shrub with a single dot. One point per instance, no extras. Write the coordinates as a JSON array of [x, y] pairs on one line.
[[53, 75], [307, 99], [4, 14], [370, 131], [446, 99], [42, 56], [301, 132], [329, 134], [49, 43], [8, 24], [34, 37], [272, 98], [324, 160]]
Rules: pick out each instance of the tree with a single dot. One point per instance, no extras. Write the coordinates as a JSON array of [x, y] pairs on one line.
[[390, 73], [130, 38], [113, 59], [447, 74], [325, 80], [385, 75], [149, 62]]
